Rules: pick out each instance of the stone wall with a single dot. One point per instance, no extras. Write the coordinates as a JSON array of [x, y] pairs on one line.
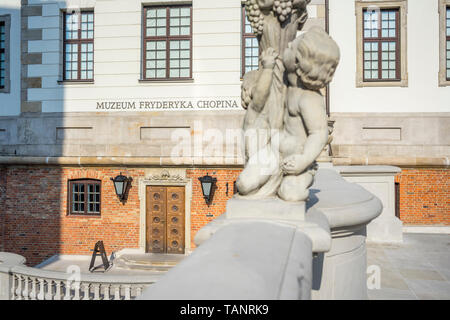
[[424, 196]]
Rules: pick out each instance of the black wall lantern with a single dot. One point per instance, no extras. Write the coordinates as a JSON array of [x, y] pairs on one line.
[[208, 183], [121, 184]]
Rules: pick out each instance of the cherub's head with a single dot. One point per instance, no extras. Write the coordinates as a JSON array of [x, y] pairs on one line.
[[313, 57], [248, 83]]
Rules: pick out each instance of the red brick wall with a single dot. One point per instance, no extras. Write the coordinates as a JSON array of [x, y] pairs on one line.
[[424, 196], [37, 225], [2, 204], [201, 214], [34, 208]]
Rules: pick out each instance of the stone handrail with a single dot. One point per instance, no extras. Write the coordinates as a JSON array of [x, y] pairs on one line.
[[19, 282]]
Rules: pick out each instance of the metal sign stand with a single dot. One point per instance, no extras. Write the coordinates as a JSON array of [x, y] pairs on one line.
[[99, 250]]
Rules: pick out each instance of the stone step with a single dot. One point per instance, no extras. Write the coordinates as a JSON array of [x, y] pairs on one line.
[[148, 262]]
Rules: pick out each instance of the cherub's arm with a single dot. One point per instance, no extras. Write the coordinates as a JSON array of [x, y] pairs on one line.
[[312, 110], [262, 88]]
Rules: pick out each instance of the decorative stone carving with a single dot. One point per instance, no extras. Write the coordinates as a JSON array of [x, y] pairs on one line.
[[166, 176], [286, 126]]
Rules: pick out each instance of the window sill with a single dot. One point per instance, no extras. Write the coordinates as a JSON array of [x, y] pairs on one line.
[[84, 215], [190, 80], [75, 82], [374, 84]]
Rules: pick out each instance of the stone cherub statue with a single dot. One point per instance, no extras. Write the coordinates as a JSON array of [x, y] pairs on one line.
[[286, 115], [310, 62]]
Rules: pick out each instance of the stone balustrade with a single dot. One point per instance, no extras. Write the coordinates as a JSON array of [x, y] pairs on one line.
[[19, 282]]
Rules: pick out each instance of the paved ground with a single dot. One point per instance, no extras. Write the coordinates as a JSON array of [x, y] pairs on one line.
[[133, 264], [417, 269]]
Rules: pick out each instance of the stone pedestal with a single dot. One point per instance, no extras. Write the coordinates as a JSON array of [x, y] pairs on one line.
[[378, 180], [340, 273]]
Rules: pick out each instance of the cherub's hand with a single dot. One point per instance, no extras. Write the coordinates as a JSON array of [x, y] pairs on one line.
[[295, 164], [268, 58]]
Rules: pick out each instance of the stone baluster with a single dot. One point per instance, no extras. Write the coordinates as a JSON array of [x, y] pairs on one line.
[[33, 293], [13, 287], [41, 291], [106, 295], [117, 292], [57, 295], [138, 291], [86, 291], [19, 287], [96, 291], [77, 288], [49, 291], [68, 293], [127, 292], [26, 292]]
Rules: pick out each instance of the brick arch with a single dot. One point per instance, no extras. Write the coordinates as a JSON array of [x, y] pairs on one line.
[[84, 174]]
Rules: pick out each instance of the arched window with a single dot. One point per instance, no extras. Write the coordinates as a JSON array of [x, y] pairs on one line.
[[84, 197]]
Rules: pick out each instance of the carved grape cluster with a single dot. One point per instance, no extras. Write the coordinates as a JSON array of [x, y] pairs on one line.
[[283, 9], [255, 16]]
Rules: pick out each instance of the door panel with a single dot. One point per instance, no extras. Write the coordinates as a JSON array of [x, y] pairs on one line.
[[175, 220], [165, 219], [156, 219]]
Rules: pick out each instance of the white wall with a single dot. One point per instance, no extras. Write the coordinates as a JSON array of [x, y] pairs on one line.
[[216, 56], [422, 94], [10, 102]]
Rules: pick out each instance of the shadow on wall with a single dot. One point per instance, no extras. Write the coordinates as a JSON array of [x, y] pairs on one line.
[[32, 198]]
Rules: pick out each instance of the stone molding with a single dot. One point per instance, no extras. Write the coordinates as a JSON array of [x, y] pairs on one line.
[[166, 176], [210, 162], [26, 34], [359, 6], [443, 82], [402, 161], [442, 162]]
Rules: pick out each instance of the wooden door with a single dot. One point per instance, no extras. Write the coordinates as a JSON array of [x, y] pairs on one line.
[[165, 219]]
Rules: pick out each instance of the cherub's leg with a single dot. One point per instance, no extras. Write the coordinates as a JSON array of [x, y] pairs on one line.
[[258, 171], [296, 188]]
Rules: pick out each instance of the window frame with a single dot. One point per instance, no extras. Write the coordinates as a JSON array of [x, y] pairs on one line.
[[167, 38], [78, 41], [443, 38], [379, 39], [86, 182], [402, 77], [6, 20], [244, 37]]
